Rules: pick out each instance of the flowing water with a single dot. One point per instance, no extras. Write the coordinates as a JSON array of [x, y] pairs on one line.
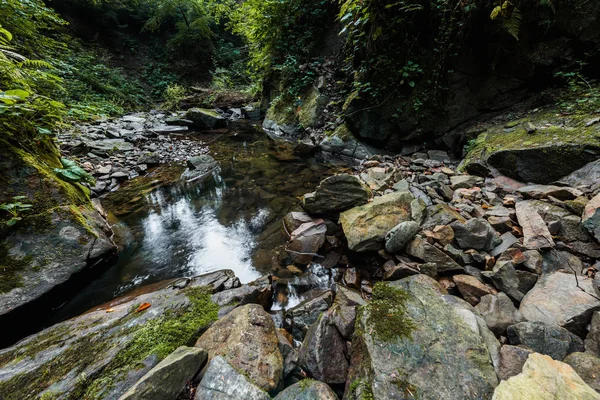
[[166, 228]]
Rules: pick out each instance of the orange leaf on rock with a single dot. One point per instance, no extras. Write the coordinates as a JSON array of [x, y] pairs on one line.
[[143, 307]]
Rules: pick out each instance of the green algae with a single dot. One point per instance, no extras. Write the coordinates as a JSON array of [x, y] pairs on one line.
[[387, 313]]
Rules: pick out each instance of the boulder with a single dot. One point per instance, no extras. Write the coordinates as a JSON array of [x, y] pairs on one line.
[[507, 240], [288, 352], [472, 289], [441, 214], [422, 250], [446, 347], [587, 367], [476, 234], [169, 377], [592, 340], [343, 311], [335, 194], [259, 291], [400, 235], [587, 176], [535, 232], [343, 144], [504, 277], [205, 119], [307, 389], [299, 318], [545, 379], [306, 241], [222, 381], [542, 338], [556, 300], [499, 312], [465, 181], [512, 359], [199, 168], [365, 226], [545, 191], [247, 339], [566, 226], [591, 217]]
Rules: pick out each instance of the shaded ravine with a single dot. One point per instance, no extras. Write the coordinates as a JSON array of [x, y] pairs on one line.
[[166, 228]]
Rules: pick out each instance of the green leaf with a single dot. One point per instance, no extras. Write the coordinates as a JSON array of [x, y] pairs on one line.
[[12, 221], [21, 94]]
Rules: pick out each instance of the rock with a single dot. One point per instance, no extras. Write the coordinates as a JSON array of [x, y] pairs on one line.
[[222, 381], [439, 155], [545, 191], [591, 217], [205, 119], [401, 186], [298, 319], [504, 277], [512, 359], [335, 194], [288, 352], [343, 310], [343, 144], [246, 337], [587, 367], [294, 219], [507, 240], [535, 231], [352, 278], [307, 389], [441, 214], [150, 159], [542, 338], [199, 168], [471, 289], [365, 226], [259, 291], [569, 226], [96, 342], [445, 348], [305, 148], [587, 176], [169, 377], [106, 147], [556, 300], [306, 241], [527, 280], [443, 234], [400, 235], [545, 379], [499, 312], [476, 234], [592, 340], [323, 352], [465, 181], [419, 248], [395, 272]]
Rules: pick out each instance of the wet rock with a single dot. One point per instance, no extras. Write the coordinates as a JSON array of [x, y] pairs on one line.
[[587, 367], [288, 352], [352, 278], [199, 168], [247, 339], [335, 194], [306, 240], [545, 379], [465, 181], [472, 289], [400, 235], [108, 146], [512, 359], [301, 317], [499, 312], [343, 144], [557, 300], [535, 231], [542, 338], [205, 119], [592, 340], [420, 249], [259, 291], [222, 381], [365, 226], [169, 377], [307, 389], [305, 148], [476, 234], [591, 217], [294, 219]]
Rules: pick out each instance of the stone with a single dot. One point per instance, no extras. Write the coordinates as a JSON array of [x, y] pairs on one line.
[[299, 318], [465, 181], [307, 389], [169, 377], [542, 338], [441, 214], [288, 352], [527, 280], [420, 249], [545, 191], [323, 353], [247, 339], [439, 155], [199, 168], [535, 232], [401, 186], [587, 367], [259, 291], [507, 240], [400, 235], [545, 379], [150, 159], [418, 209], [498, 312], [294, 219], [570, 228], [591, 217], [305, 148], [555, 260], [472, 289], [447, 348], [343, 144], [592, 340], [306, 240], [222, 381], [504, 277], [395, 272], [205, 119], [343, 310], [335, 194], [556, 300], [365, 226], [587, 176], [476, 234], [512, 359], [352, 278]]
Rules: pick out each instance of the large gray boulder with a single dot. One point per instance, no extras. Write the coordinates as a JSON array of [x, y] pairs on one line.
[[205, 119], [446, 348], [307, 389], [335, 194], [365, 226], [168, 378], [247, 339], [400, 235], [306, 240], [499, 312], [542, 338], [476, 234], [299, 318], [222, 381], [556, 300]]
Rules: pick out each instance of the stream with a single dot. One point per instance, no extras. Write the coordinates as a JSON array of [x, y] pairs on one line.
[[167, 229]]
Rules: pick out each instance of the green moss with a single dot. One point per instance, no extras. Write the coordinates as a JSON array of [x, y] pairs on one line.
[[408, 390], [82, 220], [387, 313], [10, 270], [361, 390]]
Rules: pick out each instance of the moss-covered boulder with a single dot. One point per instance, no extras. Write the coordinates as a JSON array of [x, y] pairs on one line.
[[446, 355], [205, 119], [101, 354], [541, 148], [58, 243]]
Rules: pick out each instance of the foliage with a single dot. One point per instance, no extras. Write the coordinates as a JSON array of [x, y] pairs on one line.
[[173, 96], [71, 172], [15, 209], [584, 93], [387, 313], [511, 17]]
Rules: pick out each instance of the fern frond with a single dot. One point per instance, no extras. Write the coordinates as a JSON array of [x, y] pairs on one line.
[[496, 12], [512, 24], [39, 64], [549, 4]]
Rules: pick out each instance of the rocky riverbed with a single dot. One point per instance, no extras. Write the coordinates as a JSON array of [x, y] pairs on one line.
[[400, 277]]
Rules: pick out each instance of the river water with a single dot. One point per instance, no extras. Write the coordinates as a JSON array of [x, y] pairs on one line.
[[169, 229]]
